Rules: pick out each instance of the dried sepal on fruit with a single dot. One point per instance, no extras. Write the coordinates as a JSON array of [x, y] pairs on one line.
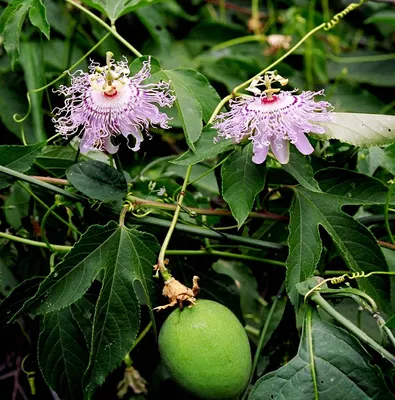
[[176, 292]]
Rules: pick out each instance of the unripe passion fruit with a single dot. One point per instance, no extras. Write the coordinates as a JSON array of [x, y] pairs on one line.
[[206, 350]]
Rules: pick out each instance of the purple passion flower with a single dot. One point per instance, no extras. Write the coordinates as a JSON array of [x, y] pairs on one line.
[[107, 102], [274, 120]]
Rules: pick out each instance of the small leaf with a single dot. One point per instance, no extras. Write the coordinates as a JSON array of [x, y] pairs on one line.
[[116, 8], [242, 180], [97, 180], [63, 354], [18, 158], [204, 148], [299, 167], [360, 129], [330, 363]]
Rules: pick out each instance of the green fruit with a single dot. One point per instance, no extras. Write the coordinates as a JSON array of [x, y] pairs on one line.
[[206, 351]]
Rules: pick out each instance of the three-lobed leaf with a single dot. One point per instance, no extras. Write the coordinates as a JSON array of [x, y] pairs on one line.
[[126, 256], [355, 242]]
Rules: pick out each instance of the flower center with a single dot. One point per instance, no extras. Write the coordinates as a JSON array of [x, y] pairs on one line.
[[269, 100]]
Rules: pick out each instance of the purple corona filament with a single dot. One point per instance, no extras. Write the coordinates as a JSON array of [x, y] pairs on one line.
[[273, 121], [107, 102]]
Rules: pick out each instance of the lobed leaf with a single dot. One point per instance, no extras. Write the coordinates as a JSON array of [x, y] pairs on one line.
[[354, 241]]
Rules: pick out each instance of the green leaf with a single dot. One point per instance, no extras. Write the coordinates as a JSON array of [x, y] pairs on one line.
[[33, 69], [360, 129], [385, 16], [126, 256], [18, 158], [63, 354], [242, 180], [12, 19], [354, 241], [117, 315], [16, 206], [204, 148], [116, 8], [97, 180], [340, 364], [196, 100], [299, 167]]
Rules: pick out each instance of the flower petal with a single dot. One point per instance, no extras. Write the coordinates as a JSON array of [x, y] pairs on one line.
[[107, 144], [280, 149], [303, 144], [260, 154]]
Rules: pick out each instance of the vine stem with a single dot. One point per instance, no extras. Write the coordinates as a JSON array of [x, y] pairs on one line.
[[239, 40], [111, 29], [255, 16], [29, 242], [202, 211], [318, 299], [161, 258], [30, 179]]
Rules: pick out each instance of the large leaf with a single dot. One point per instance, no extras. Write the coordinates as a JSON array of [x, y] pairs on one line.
[[354, 241], [360, 129], [196, 100], [18, 158], [330, 364], [126, 283], [63, 354], [242, 180], [97, 180], [12, 19], [127, 257], [116, 8], [205, 148]]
